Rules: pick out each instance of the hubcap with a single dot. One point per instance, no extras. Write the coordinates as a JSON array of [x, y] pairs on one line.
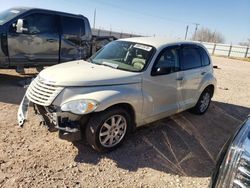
[[205, 102], [112, 131]]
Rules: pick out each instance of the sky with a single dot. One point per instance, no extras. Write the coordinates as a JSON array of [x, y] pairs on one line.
[[167, 18]]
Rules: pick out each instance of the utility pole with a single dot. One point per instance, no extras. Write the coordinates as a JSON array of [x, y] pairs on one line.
[[196, 28], [213, 39], [186, 32], [94, 18]]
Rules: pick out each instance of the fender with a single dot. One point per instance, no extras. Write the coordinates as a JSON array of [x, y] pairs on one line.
[[106, 96], [207, 80]]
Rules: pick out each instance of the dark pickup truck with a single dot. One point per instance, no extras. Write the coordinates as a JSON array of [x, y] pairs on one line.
[[32, 37]]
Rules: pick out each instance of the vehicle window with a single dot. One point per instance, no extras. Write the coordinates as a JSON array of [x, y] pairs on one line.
[[167, 60], [190, 58], [124, 55], [38, 23], [10, 14], [205, 58], [73, 26]]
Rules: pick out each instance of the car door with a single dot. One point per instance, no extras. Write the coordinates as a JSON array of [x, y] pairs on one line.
[[37, 44], [161, 87], [190, 75], [73, 40]]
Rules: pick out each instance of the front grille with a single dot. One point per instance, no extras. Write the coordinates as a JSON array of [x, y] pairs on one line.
[[42, 93]]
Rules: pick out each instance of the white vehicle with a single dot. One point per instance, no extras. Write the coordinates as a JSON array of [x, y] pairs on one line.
[[127, 84]]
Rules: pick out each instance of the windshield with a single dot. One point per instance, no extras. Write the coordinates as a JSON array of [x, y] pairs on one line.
[[124, 55], [9, 14]]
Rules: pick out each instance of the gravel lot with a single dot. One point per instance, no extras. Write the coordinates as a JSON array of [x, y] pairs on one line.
[[179, 151]]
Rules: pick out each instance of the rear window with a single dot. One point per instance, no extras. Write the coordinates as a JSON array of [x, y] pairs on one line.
[[190, 58], [73, 26], [205, 58]]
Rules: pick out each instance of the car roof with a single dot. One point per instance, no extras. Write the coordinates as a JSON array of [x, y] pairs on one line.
[[159, 42], [47, 10]]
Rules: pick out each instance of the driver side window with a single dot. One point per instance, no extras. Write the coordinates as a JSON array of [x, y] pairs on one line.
[[167, 62], [37, 23]]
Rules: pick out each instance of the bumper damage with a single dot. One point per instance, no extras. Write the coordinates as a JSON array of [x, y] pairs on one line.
[[51, 117], [23, 111], [54, 119]]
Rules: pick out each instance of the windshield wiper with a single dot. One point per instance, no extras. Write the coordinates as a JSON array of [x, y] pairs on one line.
[[112, 65]]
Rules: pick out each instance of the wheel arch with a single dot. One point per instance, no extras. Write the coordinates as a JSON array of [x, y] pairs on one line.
[[211, 88], [129, 108]]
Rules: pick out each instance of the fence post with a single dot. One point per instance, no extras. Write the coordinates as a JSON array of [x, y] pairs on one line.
[[230, 49], [214, 48], [246, 51]]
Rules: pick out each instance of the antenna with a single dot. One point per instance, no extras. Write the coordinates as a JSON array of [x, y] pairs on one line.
[[94, 18], [80, 53]]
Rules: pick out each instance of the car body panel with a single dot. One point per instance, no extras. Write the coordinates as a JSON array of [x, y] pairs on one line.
[[4, 60], [31, 50], [82, 73], [161, 96], [106, 96]]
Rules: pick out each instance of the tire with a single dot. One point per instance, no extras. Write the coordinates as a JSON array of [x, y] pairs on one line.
[[203, 103], [107, 130]]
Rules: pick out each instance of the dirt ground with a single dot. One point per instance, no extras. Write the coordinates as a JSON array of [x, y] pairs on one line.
[[179, 151]]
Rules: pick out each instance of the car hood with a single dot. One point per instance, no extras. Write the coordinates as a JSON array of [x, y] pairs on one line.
[[83, 73]]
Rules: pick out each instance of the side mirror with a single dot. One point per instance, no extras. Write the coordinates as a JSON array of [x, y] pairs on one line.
[[161, 71], [19, 26]]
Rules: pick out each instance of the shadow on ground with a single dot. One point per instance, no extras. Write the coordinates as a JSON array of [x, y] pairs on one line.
[[13, 87], [184, 144]]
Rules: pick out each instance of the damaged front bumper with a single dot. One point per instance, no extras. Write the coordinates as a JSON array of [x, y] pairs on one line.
[[51, 116], [23, 111]]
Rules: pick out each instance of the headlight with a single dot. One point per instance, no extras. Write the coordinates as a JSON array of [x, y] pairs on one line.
[[235, 168], [80, 106]]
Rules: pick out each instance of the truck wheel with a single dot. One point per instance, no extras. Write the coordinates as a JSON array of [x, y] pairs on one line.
[[107, 130], [203, 102]]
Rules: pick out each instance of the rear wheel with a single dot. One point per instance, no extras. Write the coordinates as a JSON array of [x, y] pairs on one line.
[[107, 130], [203, 102]]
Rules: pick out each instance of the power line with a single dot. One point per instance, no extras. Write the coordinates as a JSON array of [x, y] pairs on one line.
[[144, 13]]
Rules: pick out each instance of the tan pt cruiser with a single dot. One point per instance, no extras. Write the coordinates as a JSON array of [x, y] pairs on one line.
[[126, 84]]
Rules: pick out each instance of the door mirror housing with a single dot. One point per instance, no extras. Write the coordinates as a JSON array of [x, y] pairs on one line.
[[161, 71], [19, 26]]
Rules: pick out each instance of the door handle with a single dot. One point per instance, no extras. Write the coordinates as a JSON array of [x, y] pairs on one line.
[[203, 73], [51, 40], [179, 79]]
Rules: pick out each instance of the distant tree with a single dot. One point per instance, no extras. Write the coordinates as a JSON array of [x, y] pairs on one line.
[[245, 43], [206, 35]]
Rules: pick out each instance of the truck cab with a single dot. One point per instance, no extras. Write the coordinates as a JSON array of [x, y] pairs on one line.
[[32, 37]]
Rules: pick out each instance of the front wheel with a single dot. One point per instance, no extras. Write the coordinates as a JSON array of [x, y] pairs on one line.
[[106, 130], [203, 102]]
